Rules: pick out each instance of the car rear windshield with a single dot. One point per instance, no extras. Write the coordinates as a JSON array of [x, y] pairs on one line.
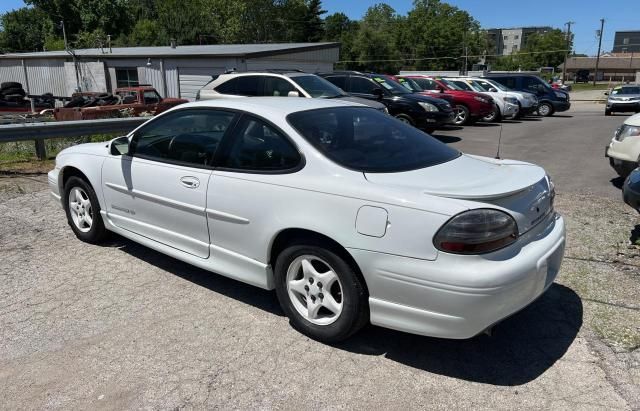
[[318, 87], [367, 140]]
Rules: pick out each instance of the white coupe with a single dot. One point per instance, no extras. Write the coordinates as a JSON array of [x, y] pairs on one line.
[[349, 214]]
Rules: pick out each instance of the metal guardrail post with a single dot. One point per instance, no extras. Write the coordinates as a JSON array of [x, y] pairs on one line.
[[41, 150]]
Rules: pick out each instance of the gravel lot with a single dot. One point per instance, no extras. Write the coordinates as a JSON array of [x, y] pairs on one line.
[[121, 326]]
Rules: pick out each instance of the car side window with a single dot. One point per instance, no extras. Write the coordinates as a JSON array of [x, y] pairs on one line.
[[257, 146], [278, 87], [242, 86], [508, 82], [361, 85], [189, 137], [427, 84], [338, 81], [532, 85]]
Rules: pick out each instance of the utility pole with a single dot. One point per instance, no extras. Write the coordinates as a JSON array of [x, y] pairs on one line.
[[595, 75], [73, 55], [566, 53]]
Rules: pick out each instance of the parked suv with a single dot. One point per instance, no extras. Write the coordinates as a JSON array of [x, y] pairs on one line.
[[550, 101], [279, 84], [421, 111], [623, 99], [470, 106], [527, 102]]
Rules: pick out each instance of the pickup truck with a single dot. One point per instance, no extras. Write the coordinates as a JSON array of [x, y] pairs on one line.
[[126, 101]]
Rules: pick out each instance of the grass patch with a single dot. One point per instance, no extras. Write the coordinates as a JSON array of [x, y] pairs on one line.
[[21, 155], [590, 86]]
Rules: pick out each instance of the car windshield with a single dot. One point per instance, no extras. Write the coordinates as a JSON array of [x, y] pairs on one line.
[[318, 87], [367, 140], [480, 85], [450, 84], [497, 85], [410, 84], [627, 90], [462, 85], [390, 85]]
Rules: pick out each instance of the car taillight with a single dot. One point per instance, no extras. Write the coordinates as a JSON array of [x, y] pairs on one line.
[[476, 232]]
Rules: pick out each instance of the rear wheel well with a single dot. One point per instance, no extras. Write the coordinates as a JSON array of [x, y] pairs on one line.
[[295, 236]]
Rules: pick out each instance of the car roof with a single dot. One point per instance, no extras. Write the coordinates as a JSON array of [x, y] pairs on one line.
[[267, 106]]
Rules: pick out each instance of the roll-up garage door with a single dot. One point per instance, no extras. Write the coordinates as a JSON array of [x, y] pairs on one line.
[[192, 79]]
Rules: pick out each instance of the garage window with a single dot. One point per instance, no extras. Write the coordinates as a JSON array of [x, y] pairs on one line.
[[127, 77]]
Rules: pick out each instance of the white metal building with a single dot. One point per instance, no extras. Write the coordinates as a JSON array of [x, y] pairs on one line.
[[174, 71]]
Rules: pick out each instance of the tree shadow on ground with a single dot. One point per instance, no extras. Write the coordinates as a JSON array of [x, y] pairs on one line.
[[521, 349]]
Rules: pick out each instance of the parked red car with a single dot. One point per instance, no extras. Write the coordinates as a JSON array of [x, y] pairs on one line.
[[413, 86], [470, 106]]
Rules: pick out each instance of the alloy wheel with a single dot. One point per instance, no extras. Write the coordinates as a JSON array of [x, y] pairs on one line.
[[80, 209], [314, 289], [461, 116]]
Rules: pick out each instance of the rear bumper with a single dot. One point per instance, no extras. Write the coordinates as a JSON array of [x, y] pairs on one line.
[[479, 292]]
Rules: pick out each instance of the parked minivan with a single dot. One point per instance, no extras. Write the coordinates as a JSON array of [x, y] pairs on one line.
[[549, 100]]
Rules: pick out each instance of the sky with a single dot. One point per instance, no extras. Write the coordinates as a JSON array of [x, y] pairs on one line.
[[618, 15]]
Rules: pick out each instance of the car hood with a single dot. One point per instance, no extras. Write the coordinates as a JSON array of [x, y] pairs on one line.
[[100, 149], [366, 102], [522, 189]]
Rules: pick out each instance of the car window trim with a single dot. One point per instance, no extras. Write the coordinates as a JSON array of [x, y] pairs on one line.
[[209, 166], [228, 138]]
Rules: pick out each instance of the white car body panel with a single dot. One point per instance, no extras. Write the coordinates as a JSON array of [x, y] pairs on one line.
[[629, 148], [386, 222]]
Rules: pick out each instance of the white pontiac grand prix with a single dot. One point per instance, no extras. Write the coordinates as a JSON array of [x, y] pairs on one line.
[[351, 215]]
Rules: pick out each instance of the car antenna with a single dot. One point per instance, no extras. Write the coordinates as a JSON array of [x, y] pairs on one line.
[[499, 141]]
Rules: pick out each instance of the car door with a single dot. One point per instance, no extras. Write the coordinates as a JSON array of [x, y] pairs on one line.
[[159, 188], [244, 194]]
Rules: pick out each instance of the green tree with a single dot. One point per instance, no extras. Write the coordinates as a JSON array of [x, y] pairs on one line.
[[338, 27], [441, 34], [540, 50], [23, 29], [376, 43], [313, 29]]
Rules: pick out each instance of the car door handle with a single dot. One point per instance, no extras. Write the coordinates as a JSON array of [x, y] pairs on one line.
[[190, 182]]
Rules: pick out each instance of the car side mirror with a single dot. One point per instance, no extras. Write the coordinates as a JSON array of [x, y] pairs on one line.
[[293, 94], [492, 90], [606, 93], [378, 93], [119, 146]]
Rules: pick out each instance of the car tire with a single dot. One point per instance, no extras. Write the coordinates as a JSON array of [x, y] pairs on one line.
[[333, 315], [406, 119], [83, 211], [494, 117], [462, 115], [607, 112], [545, 109]]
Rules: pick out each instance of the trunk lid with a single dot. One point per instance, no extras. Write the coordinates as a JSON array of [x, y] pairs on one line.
[[520, 188]]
